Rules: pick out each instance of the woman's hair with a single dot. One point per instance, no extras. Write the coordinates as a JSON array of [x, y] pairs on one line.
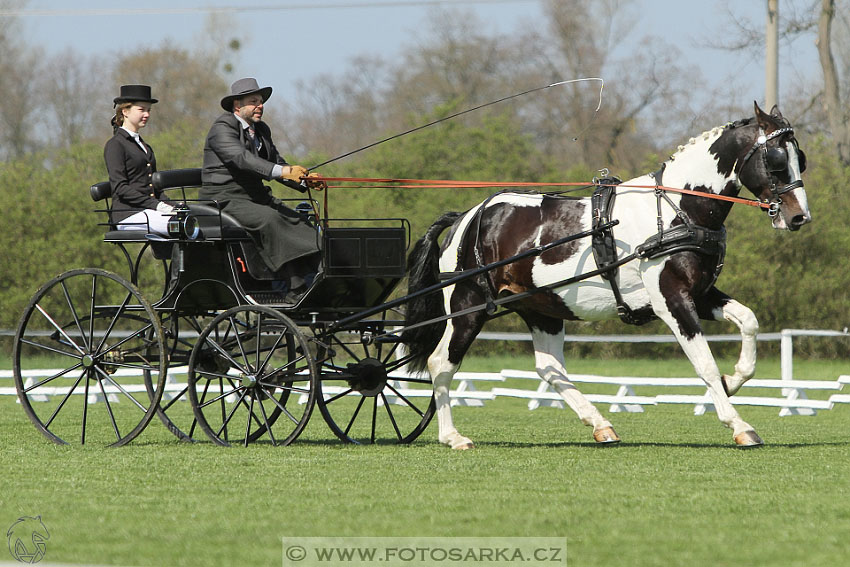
[[118, 119]]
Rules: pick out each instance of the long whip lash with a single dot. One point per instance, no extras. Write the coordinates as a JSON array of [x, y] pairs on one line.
[[455, 115]]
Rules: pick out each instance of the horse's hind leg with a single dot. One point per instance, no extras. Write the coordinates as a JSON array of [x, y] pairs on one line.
[[718, 306], [548, 337], [442, 365]]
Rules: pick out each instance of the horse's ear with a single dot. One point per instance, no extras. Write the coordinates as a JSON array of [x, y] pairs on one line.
[[762, 118], [767, 122]]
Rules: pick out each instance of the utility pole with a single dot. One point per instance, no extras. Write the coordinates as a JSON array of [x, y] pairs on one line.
[[771, 58]]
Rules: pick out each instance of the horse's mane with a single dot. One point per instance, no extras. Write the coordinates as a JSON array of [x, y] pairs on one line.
[[713, 132]]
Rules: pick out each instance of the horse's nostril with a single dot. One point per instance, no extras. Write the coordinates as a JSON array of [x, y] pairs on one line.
[[798, 220]]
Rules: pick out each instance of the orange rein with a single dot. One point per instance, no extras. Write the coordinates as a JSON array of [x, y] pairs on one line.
[[396, 183]]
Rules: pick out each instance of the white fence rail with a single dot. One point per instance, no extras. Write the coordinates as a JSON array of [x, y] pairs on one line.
[[469, 390]]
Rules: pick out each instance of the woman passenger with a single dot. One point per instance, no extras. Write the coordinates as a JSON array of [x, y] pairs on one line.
[[131, 163]]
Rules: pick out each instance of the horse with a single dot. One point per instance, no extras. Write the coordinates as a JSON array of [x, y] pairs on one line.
[[664, 254]]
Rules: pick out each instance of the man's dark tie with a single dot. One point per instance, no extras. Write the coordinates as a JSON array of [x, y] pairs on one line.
[[254, 138]]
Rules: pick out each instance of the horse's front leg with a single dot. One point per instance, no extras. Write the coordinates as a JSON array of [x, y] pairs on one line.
[[673, 303], [718, 306]]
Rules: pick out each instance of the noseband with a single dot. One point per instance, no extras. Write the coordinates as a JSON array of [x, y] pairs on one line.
[[772, 162]]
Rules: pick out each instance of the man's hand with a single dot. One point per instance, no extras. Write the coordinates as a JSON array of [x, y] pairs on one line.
[[317, 184], [293, 173]]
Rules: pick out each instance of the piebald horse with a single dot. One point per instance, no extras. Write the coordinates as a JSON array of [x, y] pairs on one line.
[[678, 243]]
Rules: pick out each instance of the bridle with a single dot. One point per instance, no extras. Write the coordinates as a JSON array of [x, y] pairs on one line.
[[774, 161]]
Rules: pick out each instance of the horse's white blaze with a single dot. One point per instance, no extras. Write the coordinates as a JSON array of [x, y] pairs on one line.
[[797, 175]]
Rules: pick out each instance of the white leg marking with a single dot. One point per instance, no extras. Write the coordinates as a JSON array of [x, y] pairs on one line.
[[442, 371], [699, 353], [743, 317], [549, 362]]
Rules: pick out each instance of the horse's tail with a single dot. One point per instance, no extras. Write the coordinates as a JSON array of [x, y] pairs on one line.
[[423, 269]]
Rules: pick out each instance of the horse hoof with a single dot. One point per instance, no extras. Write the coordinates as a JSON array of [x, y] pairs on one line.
[[730, 391], [748, 439], [605, 436]]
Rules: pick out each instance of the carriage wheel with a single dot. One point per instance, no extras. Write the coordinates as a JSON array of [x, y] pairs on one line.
[[81, 349], [363, 395], [251, 374], [181, 334]]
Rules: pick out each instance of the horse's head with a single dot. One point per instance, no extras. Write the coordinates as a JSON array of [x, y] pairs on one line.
[[771, 164]]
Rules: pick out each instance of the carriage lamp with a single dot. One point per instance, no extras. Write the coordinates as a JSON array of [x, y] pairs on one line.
[[183, 225]]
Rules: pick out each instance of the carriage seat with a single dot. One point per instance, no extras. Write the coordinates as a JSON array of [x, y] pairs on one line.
[[214, 223]]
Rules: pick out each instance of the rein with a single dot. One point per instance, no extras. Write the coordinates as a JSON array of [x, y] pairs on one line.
[[400, 183]]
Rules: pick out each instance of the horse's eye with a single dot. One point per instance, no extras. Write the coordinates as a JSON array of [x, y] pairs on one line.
[[777, 160]]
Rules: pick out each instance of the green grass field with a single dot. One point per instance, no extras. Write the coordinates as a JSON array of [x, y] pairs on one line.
[[675, 492]]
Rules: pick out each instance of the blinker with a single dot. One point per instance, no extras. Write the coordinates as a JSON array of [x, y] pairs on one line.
[[777, 160]]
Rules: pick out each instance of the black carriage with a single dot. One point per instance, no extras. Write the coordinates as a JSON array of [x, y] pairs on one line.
[[95, 359]]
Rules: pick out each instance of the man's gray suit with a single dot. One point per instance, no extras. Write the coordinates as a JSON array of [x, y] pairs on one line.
[[233, 174]]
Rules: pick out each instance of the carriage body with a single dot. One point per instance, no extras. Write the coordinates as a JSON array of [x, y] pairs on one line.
[[221, 320]]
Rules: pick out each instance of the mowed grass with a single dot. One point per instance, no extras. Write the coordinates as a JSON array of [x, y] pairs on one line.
[[675, 492]]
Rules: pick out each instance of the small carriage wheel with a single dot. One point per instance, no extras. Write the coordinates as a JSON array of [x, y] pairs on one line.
[[362, 392], [181, 333], [81, 349], [251, 375]]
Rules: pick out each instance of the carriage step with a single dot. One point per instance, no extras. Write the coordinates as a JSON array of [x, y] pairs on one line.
[[267, 298]]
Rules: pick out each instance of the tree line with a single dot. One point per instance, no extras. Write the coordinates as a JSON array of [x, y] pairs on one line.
[[789, 280]]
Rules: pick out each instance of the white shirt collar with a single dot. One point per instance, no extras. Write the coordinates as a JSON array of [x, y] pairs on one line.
[[137, 138], [242, 121]]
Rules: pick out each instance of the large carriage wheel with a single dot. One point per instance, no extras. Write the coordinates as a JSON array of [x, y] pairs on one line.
[[364, 395], [181, 332], [81, 349], [251, 374]]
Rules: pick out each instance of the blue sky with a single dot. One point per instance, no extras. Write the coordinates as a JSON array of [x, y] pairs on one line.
[[305, 38]]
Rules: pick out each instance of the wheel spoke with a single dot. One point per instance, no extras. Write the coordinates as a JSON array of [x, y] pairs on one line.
[[259, 340], [281, 407], [176, 398], [77, 322], [232, 412], [262, 366], [374, 417], [122, 390], [85, 411], [62, 403], [338, 396], [405, 400], [354, 416], [266, 418], [226, 355], [50, 349], [134, 335], [238, 338], [248, 425], [285, 388], [392, 418], [109, 410], [54, 377], [114, 320], [59, 329]]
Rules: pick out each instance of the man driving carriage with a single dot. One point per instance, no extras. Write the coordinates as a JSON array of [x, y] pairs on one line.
[[239, 155]]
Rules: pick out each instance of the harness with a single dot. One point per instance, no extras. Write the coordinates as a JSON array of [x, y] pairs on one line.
[[774, 160], [686, 236]]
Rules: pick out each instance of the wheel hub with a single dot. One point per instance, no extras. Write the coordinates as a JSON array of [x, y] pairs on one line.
[[369, 376], [249, 381]]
